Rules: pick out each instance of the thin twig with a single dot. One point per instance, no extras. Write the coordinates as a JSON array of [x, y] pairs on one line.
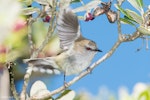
[[119, 2], [29, 29], [35, 53], [49, 34], [30, 22], [11, 77], [118, 23], [126, 38]]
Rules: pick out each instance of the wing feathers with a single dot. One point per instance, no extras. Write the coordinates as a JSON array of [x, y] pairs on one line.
[[68, 28]]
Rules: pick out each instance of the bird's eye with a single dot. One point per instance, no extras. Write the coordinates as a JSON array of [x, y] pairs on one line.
[[87, 48]]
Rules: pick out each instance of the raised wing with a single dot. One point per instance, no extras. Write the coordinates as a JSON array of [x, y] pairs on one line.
[[68, 28]]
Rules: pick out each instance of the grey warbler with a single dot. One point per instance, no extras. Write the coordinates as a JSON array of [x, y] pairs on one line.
[[77, 51]]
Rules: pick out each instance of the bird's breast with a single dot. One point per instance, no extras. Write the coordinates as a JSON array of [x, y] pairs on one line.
[[74, 62]]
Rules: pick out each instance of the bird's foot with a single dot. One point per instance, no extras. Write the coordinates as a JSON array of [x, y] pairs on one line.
[[88, 69], [66, 85]]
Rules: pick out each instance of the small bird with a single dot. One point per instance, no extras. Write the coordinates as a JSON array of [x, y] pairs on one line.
[[77, 51]]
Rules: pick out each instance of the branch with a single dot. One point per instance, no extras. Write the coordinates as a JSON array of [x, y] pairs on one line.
[[35, 53], [49, 34], [119, 2], [29, 30], [11, 77], [118, 23], [106, 56], [30, 22], [126, 38]]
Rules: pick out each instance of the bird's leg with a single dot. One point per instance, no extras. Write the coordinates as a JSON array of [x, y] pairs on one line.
[[64, 77], [65, 83]]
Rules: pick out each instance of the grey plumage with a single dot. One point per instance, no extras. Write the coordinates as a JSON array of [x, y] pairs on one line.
[[68, 28], [78, 51]]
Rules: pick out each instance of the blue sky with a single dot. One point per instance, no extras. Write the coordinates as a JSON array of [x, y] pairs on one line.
[[125, 67]]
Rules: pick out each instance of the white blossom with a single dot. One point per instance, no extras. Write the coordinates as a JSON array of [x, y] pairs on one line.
[[9, 12]]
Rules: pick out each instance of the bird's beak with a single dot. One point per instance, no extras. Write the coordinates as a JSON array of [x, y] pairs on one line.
[[98, 50]]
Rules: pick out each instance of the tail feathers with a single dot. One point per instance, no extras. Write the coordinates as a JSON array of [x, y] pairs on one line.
[[43, 65], [47, 71]]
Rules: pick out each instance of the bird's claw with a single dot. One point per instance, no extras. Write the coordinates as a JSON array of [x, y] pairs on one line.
[[89, 70], [65, 84]]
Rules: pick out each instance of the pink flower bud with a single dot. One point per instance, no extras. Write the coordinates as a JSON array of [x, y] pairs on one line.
[[2, 49], [47, 19], [88, 16], [20, 24]]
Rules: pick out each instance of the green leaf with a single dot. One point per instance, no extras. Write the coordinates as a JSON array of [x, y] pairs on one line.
[[26, 2], [92, 4], [120, 9], [75, 1], [135, 16], [66, 95], [131, 19], [43, 2], [140, 3], [143, 30], [126, 21], [30, 10], [123, 11], [145, 95], [135, 4]]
